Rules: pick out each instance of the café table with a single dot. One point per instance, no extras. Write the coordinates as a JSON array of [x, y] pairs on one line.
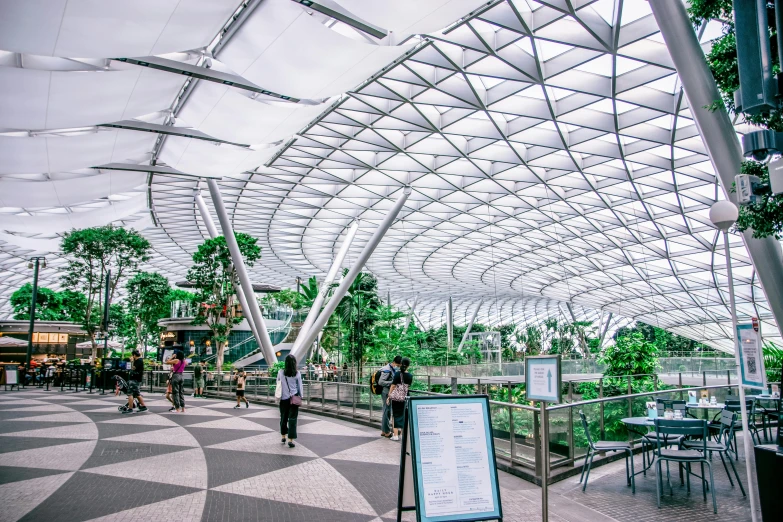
[[637, 425]]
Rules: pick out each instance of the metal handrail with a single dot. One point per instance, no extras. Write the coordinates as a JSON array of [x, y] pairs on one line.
[[635, 395]]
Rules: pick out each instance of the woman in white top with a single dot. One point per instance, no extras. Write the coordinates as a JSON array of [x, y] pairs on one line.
[[290, 382]]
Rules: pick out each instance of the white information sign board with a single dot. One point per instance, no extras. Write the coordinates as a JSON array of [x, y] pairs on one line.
[[542, 378], [751, 357]]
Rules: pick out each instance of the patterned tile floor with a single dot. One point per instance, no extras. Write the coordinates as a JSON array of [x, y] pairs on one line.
[[73, 457]]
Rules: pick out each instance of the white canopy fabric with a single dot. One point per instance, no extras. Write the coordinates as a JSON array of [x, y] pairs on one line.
[[109, 29], [11, 341], [63, 193], [33, 99]]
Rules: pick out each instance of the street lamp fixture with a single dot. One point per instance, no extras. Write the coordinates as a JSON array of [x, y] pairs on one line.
[[723, 214]]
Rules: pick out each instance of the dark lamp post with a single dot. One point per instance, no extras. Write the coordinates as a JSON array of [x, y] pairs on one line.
[[34, 263]]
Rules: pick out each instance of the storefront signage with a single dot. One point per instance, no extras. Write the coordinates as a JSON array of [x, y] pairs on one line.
[[750, 356], [542, 378], [448, 469], [50, 338]]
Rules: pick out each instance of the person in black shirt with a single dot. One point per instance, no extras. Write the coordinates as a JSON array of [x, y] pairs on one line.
[[134, 383], [397, 394]]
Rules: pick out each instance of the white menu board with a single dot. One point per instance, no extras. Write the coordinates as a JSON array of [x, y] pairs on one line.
[[455, 464]]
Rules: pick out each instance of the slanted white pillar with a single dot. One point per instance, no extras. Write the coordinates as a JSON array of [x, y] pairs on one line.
[[244, 279], [297, 348], [470, 325], [719, 137], [355, 270], [213, 233]]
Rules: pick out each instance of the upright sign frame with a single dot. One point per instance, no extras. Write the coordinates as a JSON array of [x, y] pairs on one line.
[[11, 376], [471, 498], [542, 385], [751, 357]]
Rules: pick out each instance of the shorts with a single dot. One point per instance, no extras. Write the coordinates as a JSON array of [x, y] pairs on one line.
[[133, 388], [198, 382], [240, 393]]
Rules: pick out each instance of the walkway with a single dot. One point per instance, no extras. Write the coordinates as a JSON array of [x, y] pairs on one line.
[[73, 457]]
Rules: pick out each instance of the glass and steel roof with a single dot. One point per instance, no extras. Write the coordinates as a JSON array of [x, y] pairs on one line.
[[555, 165]]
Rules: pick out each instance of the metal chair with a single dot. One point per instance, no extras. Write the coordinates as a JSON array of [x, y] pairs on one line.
[[684, 428], [595, 447], [735, 407], [650, 440], [728, 420]]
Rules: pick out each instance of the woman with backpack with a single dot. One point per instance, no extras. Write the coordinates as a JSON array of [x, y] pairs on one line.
[[289, 381], [397, 393]]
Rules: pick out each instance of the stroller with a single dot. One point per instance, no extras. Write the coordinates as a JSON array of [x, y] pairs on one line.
[[122, 387]]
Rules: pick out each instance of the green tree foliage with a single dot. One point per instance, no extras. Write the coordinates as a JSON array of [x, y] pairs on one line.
[[148, 300], [765, 217], [631, 354], [664, 341], [66, 305], [773, 361], [214, 276], [91, 253]]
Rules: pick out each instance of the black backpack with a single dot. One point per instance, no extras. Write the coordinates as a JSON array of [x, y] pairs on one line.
[[374, 379]]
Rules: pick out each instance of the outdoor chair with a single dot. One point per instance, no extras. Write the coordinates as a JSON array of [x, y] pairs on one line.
[[595, 447], [769, 414], [696, 428], [734, 407], [650, 440], [727, 421]]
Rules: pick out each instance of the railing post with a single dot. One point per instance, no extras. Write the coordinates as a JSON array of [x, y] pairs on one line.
[[353, 395], [601, 406], [371, 396], [570, 434], [510, 398], [655, 382], [512, 435], [454, 386], [704, 378], [630, 405], [268, 386], [338, 397], [429, 383], [537, 443], [679, 380], [728, 377], [323, 396]]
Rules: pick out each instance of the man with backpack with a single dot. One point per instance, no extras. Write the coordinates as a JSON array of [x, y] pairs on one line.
[[384, 382]]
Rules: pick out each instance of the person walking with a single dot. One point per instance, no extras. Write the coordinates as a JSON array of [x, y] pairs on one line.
[[385, 382], [134, 384], [240, 378], [199, 373], [177, 362], [169, 390], [397, 394], [289, 380]]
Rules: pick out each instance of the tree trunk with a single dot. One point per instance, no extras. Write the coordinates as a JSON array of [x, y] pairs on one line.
[[219, 359]]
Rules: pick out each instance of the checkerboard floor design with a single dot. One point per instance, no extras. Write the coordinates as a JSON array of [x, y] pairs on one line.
[[73, 457]]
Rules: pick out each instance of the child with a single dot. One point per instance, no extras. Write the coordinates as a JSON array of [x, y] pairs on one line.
[[240, 380]]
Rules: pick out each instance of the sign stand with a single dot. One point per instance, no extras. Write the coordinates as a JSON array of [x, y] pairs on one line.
[[448, 471], [11, 377], [544, 383]]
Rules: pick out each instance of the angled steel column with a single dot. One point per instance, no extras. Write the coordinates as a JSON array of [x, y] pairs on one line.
[[213, 233], [409, 317], [244, 279], [319, 299], [718, 136], [450, 324], [470, 325], [341, 290], [603, 332]]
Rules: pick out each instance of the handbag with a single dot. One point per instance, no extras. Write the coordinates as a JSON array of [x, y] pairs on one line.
[[296, 400], [278, 391], [399, 393]]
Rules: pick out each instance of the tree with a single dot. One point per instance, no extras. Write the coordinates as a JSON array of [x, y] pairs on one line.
[[147, 302], [631, 354], [765, 217], [214, 276], [91, 253], [49, 304], [531, 339]]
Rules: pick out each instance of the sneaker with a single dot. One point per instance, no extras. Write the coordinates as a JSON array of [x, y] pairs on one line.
[[395, 438], [172, 409], [283, 441], [127, 410], [142, 409], [236, 407], [247, 405], [291, 444]]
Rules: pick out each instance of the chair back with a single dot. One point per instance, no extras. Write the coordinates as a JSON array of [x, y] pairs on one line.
[[696, 428], [727, 421], [734, 405], [587, 429], [663, 404]]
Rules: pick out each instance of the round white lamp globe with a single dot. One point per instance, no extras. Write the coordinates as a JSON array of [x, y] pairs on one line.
[[723, 214]]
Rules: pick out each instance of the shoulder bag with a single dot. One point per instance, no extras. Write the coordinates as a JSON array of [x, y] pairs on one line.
[[278, 389], [296, 400]]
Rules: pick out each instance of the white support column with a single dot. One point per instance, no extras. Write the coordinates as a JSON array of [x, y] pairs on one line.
[[718, 135], [244, 279], [341, 290], [450, 324], [603, 332], [470, 325], [409, 317], [321, 297], [213, 233]]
